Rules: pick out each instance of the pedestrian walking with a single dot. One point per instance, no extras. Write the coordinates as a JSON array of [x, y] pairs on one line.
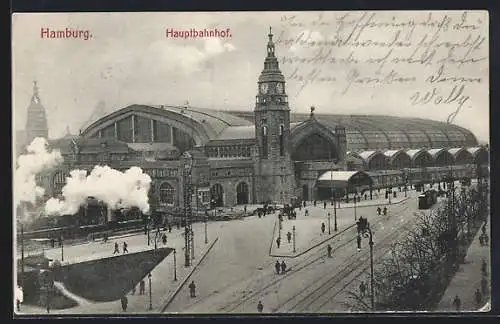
[[323, 228], [324, 205], [329, 250], [278, 241], [277, 266], [366, 197], [117, 249], [283, 267], [479, 298], [379, 210], [484, 268], [132, 292], [456, 303], [304, 204], [314, 203], [124, 301], [484, 286], [169, 228], [245, 209], [260, 307], [125, 247], [142, 287], [164, 239], [192, 289], [385, 211], [306, 213], [362, 289], [289, 237]]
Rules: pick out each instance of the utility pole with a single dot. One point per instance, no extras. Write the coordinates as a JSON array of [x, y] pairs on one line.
[[187, 208], [62, 246]]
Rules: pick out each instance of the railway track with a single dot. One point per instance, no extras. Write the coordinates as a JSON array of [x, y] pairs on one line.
[[311, 259], [318, 297]]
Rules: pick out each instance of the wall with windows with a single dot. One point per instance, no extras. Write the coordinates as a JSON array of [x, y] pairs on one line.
[[229, 151]]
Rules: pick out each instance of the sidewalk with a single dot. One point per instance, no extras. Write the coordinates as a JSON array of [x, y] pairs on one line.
[[468, 279], [375, 202], [162, 282]]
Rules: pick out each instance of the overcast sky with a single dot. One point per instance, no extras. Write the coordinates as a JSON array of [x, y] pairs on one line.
[[129, 60]]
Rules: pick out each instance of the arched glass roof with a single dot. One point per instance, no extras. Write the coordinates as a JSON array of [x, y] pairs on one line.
[[363, 132]]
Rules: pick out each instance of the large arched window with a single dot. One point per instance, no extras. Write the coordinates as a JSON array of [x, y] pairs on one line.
[[58, 182], [315, 147], [242, 193], [422, 160], [167, 194], [217, 195], [401, 160], [264, 141]]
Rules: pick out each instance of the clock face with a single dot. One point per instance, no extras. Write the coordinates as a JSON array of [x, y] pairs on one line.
[[279, 88], [264, 87]]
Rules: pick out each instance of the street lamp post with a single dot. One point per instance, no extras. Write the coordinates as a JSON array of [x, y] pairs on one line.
[[148, 227], [355, 201], [206, 233], [334, 212], [367, 233], [293, 231], [329, 227], [175, 266], [150, 295], [62, 246]]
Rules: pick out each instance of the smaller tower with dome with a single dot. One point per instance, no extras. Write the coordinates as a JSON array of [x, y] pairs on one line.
[[36, 122]]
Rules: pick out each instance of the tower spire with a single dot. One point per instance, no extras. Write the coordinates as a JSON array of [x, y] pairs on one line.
[[35, 97], [270, 44]]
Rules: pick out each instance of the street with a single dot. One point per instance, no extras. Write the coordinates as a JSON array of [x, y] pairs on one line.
[[240, 273]]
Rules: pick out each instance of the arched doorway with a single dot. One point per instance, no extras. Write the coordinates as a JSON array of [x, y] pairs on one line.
[[167, 194], [217, 195], [242, 193]]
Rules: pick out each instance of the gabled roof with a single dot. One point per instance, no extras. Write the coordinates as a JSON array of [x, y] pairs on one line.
[[435, 152], [475, 150], [455, 151], [367, 155], [391, 153]]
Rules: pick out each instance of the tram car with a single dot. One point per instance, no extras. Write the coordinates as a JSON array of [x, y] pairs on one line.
[[427, 199]]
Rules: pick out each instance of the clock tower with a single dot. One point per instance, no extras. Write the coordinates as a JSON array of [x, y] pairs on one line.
[[274, 171]]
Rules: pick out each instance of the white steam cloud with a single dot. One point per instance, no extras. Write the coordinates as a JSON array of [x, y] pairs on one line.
[[37, 159], [116, 189]]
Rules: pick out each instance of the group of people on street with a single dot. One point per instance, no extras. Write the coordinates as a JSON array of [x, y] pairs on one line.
[[483, 238], [117, 248], [280, 267], [379, 210]]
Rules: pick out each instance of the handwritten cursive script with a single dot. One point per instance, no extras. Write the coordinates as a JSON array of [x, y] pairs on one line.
[[429, 59]]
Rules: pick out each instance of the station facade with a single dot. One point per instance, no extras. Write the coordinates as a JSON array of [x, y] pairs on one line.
[[268, 154]]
